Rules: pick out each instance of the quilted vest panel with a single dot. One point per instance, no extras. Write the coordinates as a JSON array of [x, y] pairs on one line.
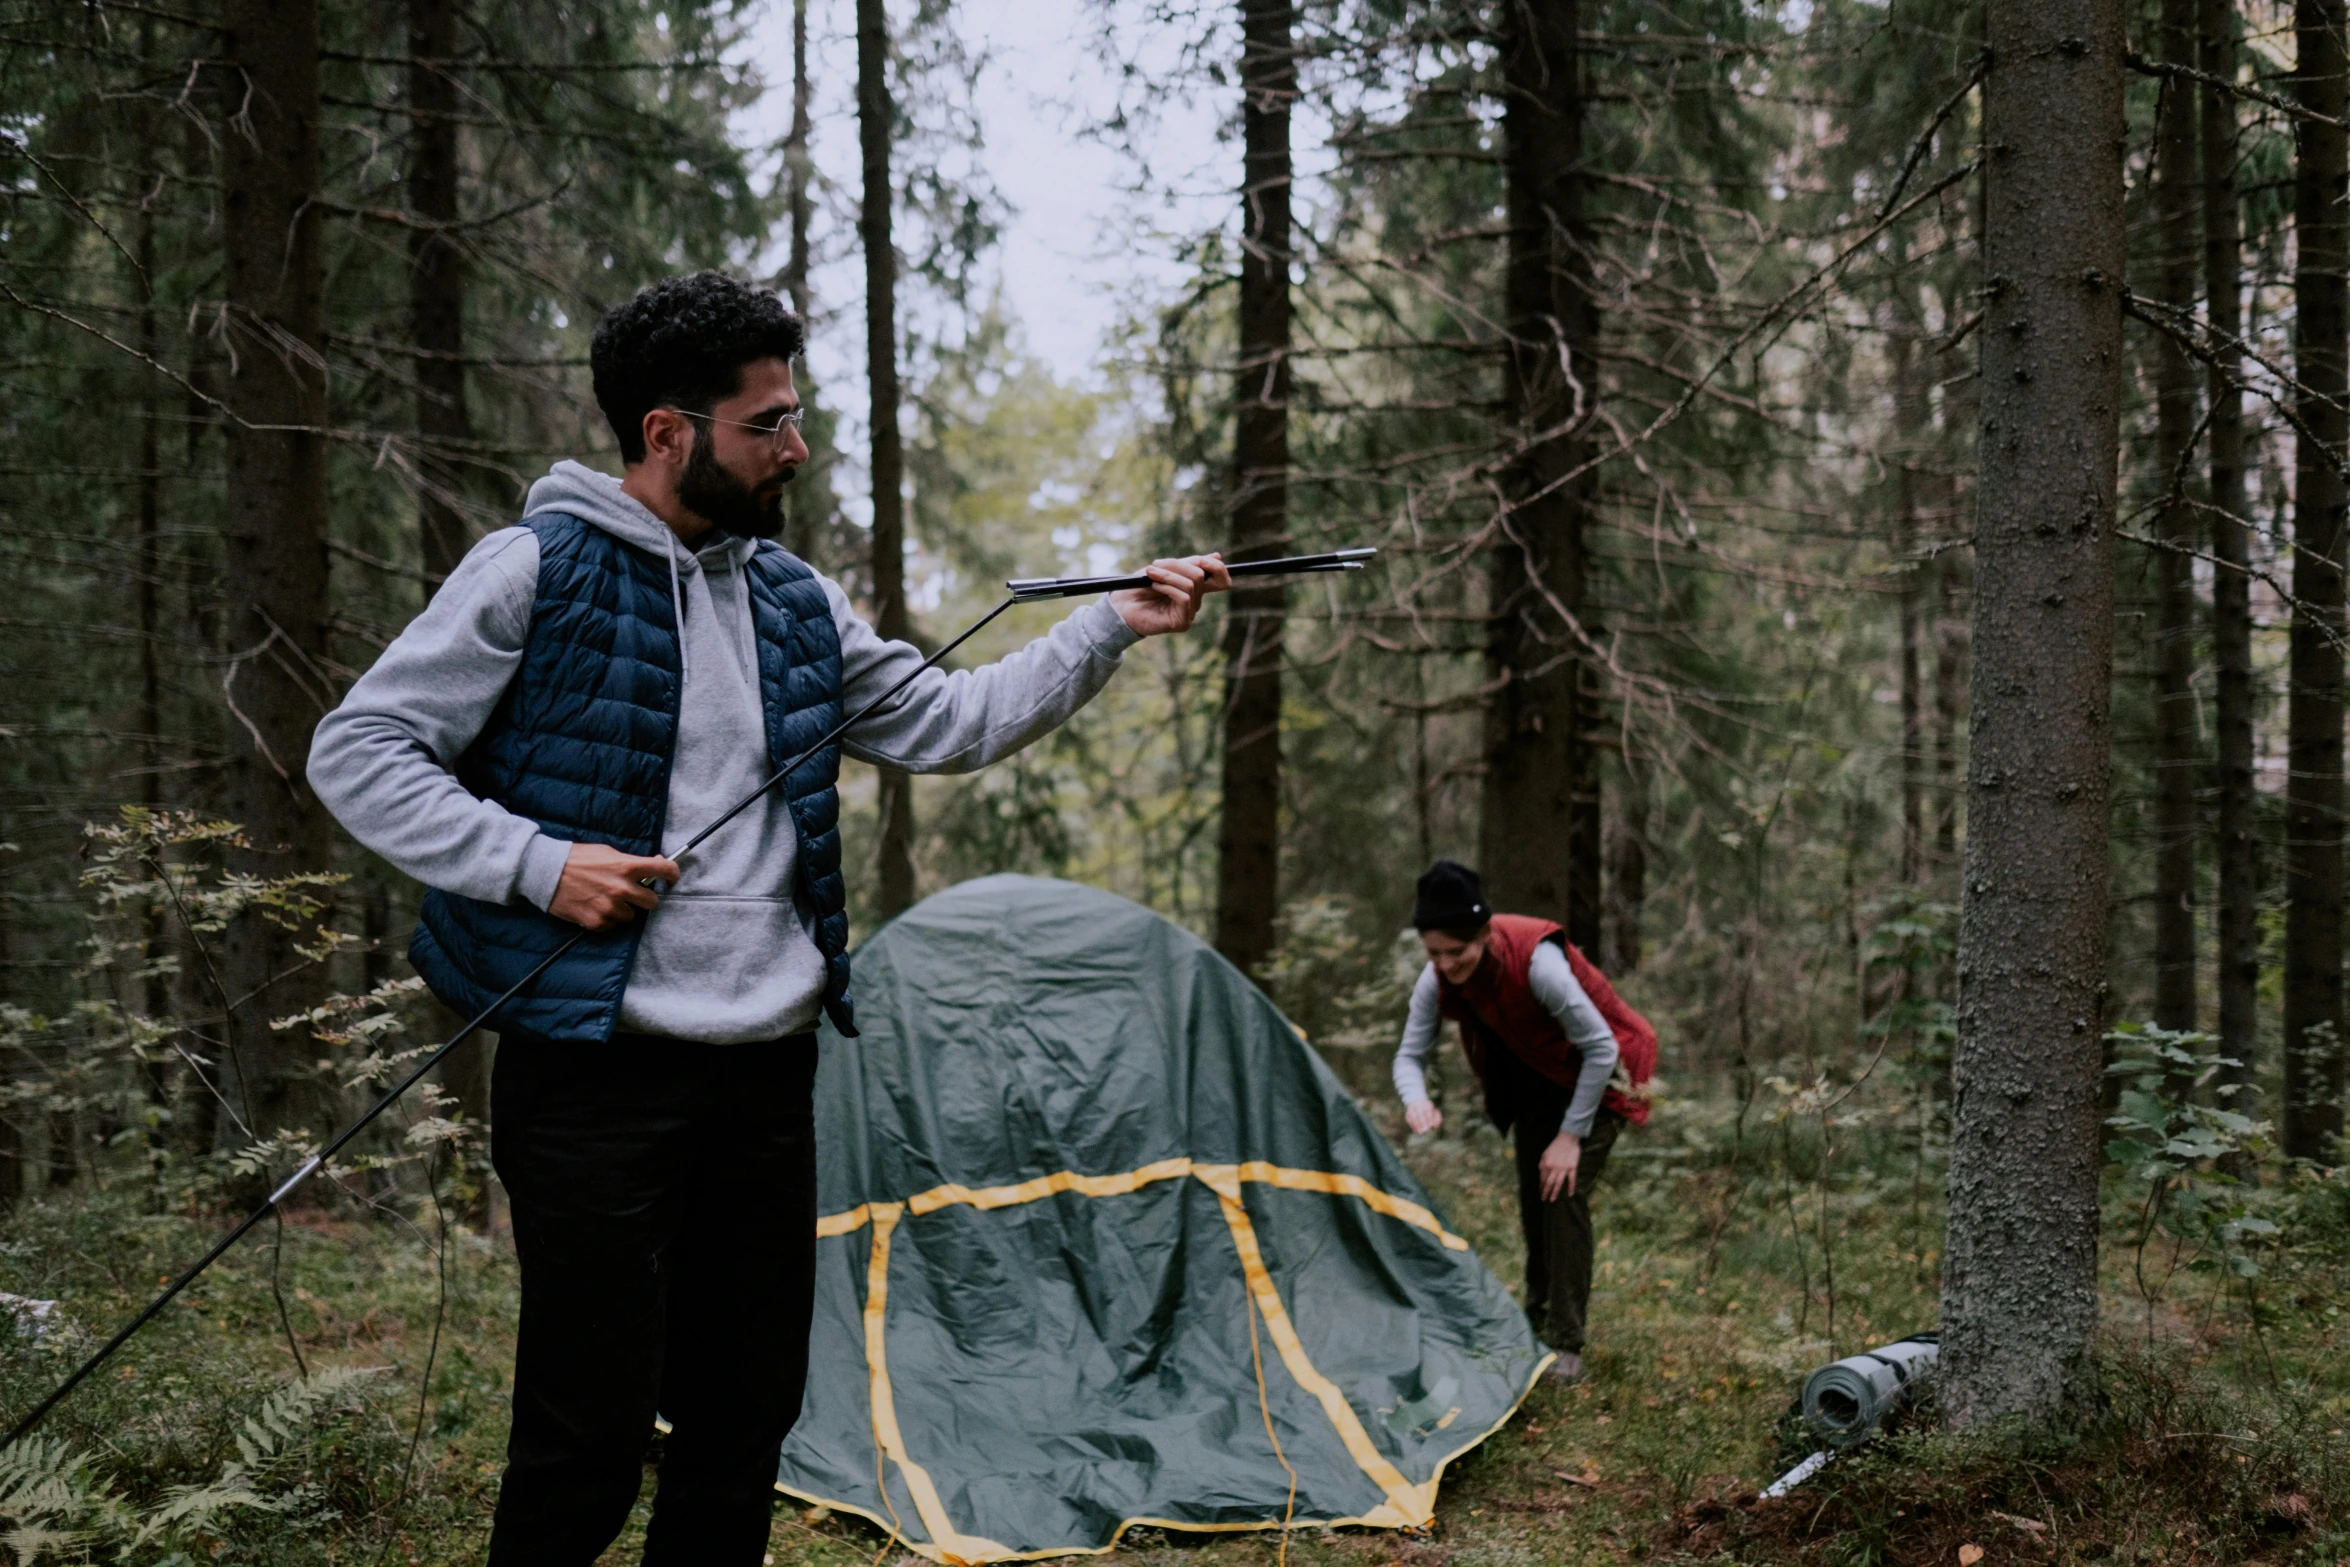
[[1498, 1004], [581, 744]]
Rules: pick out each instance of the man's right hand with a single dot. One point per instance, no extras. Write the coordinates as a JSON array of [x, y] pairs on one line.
[[603, 888], [1423, 1117]]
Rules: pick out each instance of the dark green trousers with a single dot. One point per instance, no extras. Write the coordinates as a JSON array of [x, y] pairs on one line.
[[1558, 1234]]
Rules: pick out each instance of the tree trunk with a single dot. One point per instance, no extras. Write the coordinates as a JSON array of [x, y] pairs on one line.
[[1248, 836], [2231, 548], [274, 681], [1950, 678], [804, 533], [436, 286], [16, 1062], [2313, 791], [796, 166], [874, 131], [2176, 759], [155, 988], [1911, 414], [1628, 872], [11, 1150], [1541, 795], [444, 429], [2019, 1289]]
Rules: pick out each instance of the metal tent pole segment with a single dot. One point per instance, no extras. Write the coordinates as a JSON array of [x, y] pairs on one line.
[[312, 1165], [1029, 589]]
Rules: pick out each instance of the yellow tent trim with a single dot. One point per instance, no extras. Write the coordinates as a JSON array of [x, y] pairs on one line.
[[952, 1546], [1407, 1506], [844, 1223], [1372, 1197], [951, 1195], [1045, 1186]]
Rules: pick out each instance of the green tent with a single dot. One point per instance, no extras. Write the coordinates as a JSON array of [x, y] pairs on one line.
[[1104, 1243]]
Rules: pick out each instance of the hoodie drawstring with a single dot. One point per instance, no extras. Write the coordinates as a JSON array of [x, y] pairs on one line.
[[685, 666]]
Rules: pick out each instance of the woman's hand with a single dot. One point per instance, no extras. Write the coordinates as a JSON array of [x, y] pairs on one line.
[[1172, 601], [1423, 1117], [1559, 1163]]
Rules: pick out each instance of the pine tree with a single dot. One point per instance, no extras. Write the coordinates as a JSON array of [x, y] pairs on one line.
[[276, 683], [876, 130], [1248, 837], [2313, 790], [2177, 760], [2231, 586], [1539, 838], [2019, 1294]]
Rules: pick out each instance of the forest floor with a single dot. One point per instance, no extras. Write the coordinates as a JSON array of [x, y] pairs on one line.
[[2223, 1440]]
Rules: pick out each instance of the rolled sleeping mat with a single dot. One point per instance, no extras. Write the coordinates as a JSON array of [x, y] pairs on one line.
[[1848, 1400]]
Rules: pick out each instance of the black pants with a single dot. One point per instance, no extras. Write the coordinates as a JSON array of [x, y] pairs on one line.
[[1558, 1233], [664, 1200]]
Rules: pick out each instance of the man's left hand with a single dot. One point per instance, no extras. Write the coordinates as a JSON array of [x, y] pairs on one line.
[[1172, 601], [1559, 1164]]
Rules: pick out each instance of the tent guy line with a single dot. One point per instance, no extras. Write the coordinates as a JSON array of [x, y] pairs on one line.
[[1023, 591]]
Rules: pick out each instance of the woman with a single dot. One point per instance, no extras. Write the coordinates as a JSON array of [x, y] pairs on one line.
[[1561, 1058]]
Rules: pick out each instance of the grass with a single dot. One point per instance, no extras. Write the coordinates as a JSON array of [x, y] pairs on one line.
[[1728, 1269]]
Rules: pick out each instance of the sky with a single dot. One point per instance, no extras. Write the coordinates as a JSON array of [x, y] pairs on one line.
[[1080, 247]]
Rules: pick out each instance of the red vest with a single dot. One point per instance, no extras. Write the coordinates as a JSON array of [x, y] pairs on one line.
[[1497, 1000]]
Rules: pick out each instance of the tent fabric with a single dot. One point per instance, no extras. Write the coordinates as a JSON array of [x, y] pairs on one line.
[[1105, 1243]]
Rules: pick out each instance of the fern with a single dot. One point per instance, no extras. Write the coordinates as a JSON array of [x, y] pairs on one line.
[[50, 1501], [288, 1411], [27, 1543], [196, 1506], [267, 1436], [53, 1507]]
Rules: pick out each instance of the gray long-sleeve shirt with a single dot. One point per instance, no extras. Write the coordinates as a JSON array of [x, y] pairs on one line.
[[1552, 979], [727, 958]]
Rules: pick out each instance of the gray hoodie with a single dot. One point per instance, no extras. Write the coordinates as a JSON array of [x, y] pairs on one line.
[[727, 958]]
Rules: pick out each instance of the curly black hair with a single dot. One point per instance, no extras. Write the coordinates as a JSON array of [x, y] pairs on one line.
[[682, 343]]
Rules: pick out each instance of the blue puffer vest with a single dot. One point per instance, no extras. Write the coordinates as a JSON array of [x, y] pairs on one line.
[[581, 744]]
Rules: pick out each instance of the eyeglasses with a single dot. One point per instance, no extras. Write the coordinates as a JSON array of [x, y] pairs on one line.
[[786, 424]]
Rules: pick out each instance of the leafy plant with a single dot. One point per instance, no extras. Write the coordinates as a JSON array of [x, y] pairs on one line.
[[2175, 1147], [55, 1505]]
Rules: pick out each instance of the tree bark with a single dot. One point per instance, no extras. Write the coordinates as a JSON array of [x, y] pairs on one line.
[[16, 1062], [444, 427], [1248, 834], [1912, 415], [2177, 761], [874, 133], [796, 166], [436, 286], [1537, 838], [274, 681], [155, 989], [2313, 791], [1628, 871], [1950, 679], [2019, 1289], [805, 531], [2231, 548]]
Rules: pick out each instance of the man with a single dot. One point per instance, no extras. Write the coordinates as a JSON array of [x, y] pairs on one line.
[[585, 692], [1546, 1034]]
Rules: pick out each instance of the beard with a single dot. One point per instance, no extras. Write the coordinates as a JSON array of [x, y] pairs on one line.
[[712, 492]]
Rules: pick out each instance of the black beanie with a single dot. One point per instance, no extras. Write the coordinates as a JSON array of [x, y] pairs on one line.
[[1450, 898]]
